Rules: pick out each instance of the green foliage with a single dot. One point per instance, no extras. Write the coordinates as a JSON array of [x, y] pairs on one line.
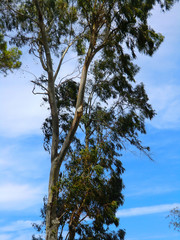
[[90, 188], [175, 218], [66, 101], [80, 47], [9, 58]]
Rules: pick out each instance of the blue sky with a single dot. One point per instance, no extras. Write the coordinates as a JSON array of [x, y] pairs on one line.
[[152, 188]]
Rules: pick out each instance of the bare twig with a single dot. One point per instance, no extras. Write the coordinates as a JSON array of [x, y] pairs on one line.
[[65, 51], [39, 84], [61, 60], [83, 218], [62, 82]]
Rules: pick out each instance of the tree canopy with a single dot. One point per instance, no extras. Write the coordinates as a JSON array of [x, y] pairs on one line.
[[100, 96]]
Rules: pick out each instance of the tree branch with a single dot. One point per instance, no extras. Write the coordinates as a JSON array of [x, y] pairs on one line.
[[61, 60], [64, 53], [41, 58], [39, 84]]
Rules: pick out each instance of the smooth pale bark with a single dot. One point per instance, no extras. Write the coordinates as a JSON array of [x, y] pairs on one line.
[[51, 227], [51, 219]]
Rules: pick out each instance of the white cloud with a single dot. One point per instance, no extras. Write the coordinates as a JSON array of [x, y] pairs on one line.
[[18, 226], [164, 21], [18, 230], [17, 161], [163, 95], [6, 236], [149, 191], [146, 210], [165, 99], [19, 197], [22, 177], [20, 110]]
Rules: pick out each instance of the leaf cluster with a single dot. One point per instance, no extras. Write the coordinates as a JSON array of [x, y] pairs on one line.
[[9, 58], [66, 94], [175, 218]]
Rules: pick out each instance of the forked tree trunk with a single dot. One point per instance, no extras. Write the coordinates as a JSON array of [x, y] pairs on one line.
[[52, 222]]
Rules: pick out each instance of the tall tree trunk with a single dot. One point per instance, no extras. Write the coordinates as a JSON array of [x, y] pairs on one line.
[[52, 222]]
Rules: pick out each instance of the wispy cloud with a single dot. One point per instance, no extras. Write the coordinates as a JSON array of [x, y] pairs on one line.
[[156, 190], [18, 226], [21, 113], [146, 210], [17, 230], [6, 236], [18, 160], [19, 196], [166, 20], [20, 109], [166, 100]]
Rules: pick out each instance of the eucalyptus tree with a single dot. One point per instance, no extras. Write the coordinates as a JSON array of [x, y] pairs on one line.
[[107, 104]]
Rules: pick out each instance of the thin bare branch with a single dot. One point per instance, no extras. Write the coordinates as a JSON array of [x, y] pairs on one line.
[[40, 85], [38, 93], [63, 55], [68, 75], [61, 60]]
